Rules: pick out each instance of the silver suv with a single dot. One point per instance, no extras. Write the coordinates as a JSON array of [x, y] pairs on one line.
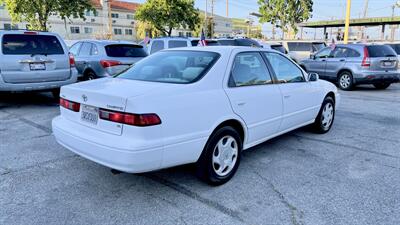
[[354, 64], [33, 60], [96, 58]]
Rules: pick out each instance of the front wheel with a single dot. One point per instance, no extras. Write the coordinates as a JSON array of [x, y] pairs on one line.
[[381, 86], [221, 156], [326, 115]]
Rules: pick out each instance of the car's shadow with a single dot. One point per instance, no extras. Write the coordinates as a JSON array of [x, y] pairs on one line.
[[19, 99]]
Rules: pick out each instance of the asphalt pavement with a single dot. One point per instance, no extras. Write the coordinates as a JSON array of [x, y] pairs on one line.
[[350, 175]]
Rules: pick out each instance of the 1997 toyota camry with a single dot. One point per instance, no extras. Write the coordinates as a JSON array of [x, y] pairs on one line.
[[202, 105]]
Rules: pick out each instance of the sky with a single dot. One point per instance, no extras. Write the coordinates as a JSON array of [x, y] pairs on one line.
[[322, 10]]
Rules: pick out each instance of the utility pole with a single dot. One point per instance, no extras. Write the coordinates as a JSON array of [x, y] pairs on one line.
[[364, 16], [227, 8], [205, 19], [393, 31], [109, 20], [212, 19], [346, 28]]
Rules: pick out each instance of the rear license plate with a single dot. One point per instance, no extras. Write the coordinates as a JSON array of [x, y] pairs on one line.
[[90, 114], [387, 63], [37, 66]]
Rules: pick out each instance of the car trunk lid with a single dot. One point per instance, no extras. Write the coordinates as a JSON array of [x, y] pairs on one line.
[[106, 93]]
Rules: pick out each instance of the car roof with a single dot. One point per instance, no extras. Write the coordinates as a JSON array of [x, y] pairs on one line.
[[171, 38], [27, 32], [220, 49], [108, 42]]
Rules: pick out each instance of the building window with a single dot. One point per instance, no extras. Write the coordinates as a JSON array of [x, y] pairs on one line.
[[8, 26], [75, 30], [91, 13], [117, 31], [129, 16], [114, 15], [180, 34], [2, 6], [188, 34], [228, 25], [88, 30], [128, 32]]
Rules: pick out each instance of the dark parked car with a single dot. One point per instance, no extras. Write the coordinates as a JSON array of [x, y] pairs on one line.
[[354, 64], [94, 58]]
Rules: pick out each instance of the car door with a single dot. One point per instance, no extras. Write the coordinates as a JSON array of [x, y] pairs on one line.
[[81, 62], [253, 95], [335, 62], [318, 63], [299, 97]]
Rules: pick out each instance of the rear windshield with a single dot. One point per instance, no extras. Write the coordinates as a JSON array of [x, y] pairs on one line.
[[177, 44], [299, 46], [22, 44], [125, 50], [180, 67], [396, 48], [279, 48], [375, 51], [227, 42], [247, 42]]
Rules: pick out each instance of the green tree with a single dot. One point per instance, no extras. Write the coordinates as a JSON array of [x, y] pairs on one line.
[[37, 12], [285, 14], [165, 15]]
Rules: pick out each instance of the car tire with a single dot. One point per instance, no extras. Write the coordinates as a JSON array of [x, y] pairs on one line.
[[90, 75], [345, 81], [56, 93], [382, 86], [326, 116], [221, 156]]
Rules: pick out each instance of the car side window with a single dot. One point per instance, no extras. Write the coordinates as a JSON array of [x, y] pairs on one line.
[[285, 70], [339, 52], [324, 53], [85, 49], [352, 53], [75, 48], [249, 69], [157, 46], [94, 51]]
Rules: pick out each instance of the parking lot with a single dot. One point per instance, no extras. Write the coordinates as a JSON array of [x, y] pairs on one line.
[[350, 175]]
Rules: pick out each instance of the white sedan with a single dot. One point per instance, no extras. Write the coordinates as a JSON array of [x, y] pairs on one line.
[[200, 105]]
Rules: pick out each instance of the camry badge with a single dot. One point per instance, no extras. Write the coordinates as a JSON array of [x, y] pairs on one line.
[[84, 97]]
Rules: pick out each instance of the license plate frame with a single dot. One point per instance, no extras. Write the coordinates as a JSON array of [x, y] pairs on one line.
[[90, 114], [37, 66], [387, 63]]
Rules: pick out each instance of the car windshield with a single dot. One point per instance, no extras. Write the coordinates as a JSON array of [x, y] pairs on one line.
[[125, 50], [279, 48], [396, 48], [22, 44], [375, 51], [180, 67], [316, 46]]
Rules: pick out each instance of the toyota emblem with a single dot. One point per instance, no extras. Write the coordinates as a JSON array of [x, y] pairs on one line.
[[84, 97]]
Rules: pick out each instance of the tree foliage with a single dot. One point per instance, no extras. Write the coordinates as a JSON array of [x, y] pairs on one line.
[[165, 15], [285, 14], [37, 12]]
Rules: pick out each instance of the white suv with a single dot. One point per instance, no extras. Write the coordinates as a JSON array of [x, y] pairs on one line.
[[159, 44], [33, 60]]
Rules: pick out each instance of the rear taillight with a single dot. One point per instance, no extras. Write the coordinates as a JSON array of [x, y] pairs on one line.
[[74, 106], [366, 61], [141, 120], [109, 63], [71, 60]]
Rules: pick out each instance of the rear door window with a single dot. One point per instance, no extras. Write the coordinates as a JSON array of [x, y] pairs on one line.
[[157, 46], [22, 44], [177, 44], [85, 49], [125, 50], [375, 51]]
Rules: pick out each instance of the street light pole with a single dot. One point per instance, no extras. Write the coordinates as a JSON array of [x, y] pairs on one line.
[[346, 28], [397, 4]]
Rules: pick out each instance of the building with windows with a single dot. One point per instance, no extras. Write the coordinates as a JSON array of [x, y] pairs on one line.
[[97, 25]]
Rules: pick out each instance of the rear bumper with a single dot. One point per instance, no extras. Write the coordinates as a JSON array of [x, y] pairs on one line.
[[127, 160], [37, 86], [373, 78]]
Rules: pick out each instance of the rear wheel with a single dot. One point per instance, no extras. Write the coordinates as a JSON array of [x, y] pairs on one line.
[[221, 156], [345, 81], [90, 75], [381, 86], [326, 115]]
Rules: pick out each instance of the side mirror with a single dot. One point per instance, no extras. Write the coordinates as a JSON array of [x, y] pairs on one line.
[[312, 56], [313, 77]]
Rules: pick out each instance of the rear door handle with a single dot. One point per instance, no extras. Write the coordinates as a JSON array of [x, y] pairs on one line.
[[342, 60]]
